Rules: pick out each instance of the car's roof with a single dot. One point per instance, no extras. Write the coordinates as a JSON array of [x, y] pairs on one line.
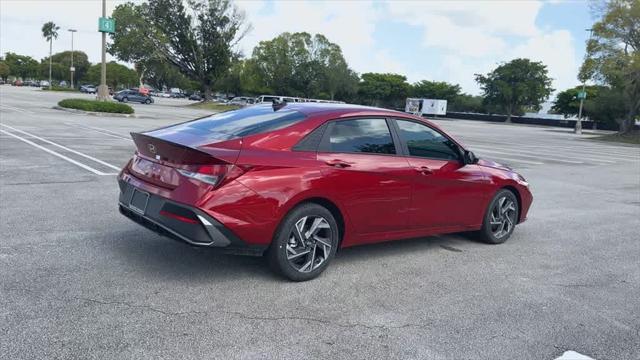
[[313, 108]]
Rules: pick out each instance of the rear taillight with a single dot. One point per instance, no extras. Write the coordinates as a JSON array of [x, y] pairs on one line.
[[212, 174]]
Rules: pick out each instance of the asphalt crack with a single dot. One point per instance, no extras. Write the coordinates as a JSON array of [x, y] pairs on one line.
[[239, 314]]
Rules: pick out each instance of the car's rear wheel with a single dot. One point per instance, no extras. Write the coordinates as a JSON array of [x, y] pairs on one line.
[[501, 218], [148, 101], [305, 243]]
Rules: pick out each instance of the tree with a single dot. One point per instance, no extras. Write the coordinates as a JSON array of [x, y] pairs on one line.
[[435, 90], [118, 75], [607, 107], [568, 104], [199, 45], [61, 62], [50, 32], [299, 64], [195, 36], [161, 74], [388, 90], [21, 66], [516, 85], [4, 71], [132, 42], [466, 103], [613, 56]]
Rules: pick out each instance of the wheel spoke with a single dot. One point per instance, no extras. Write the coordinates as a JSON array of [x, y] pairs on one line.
[[295, 254], [318, 223], [300, 227], [322, 241]]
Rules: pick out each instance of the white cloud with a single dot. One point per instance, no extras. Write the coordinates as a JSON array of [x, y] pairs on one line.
[[556, 50], [474, 36]]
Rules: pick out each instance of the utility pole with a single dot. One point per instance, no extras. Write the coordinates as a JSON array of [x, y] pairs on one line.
[[582, 96], [72, 69], [103, 89]]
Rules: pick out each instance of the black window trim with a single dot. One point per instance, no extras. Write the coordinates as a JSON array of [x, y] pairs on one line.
[[405, 147], [324, 146], [301, 145]]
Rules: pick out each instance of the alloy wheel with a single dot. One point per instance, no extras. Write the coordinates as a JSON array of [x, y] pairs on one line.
[[503, 217], [309, 244]]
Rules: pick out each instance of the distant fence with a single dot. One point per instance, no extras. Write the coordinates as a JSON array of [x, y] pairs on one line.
[[530, 120]]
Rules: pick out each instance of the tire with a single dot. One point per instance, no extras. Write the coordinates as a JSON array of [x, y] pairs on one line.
[[500, 218], [299, 254], [125, 100], [147, 101]]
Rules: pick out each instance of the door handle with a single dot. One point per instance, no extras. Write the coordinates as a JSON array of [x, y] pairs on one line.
[[424, 170], [337, 163]]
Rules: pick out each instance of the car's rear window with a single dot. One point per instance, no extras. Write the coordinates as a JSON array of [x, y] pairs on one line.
[[237, 123]]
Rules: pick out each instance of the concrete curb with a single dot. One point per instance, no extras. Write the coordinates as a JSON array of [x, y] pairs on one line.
[[96, 113]]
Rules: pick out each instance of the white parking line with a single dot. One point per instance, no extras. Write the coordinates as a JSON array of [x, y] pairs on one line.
[[86, 167], [15, 109], [550, 153], [514, 160], [100, 130], [587, 149], [487, 150], [65, 148]]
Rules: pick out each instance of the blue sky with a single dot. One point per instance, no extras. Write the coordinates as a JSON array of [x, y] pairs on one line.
[[433, 40]]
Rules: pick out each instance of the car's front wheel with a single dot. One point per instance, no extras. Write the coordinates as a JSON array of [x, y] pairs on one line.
[[125, 99], [501, 218], [148, 101], [305, 243]]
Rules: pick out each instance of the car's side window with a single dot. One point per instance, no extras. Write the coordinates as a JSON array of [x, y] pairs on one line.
[[361, 136], [423, 141]]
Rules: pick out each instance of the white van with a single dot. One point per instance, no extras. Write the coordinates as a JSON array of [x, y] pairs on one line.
[[270, 98]]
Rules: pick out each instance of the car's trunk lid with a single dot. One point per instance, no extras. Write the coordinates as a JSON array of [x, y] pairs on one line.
[[160, 156]]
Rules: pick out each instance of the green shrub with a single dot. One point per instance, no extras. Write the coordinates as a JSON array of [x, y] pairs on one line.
[[95, 105], [58, 88]]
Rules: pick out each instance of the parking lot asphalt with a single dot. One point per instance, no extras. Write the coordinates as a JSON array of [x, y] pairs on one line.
[[78, 280]]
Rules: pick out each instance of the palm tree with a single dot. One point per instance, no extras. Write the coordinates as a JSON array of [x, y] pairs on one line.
[[50, 32]]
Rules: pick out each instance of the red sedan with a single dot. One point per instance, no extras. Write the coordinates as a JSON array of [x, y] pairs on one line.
[[298, 181]]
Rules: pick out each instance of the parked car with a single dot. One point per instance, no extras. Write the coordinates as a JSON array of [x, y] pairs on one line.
[[44, 83], [241, 100], [195, 97], [88, 89], [17, 83], [298, 181], [277, 98], [63, 83], [177, 95], [133, 96]]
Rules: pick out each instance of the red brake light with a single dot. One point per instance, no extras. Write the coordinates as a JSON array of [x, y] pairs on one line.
[[212, 174]]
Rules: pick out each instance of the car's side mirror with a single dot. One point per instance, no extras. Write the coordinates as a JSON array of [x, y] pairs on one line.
[[470, 157]]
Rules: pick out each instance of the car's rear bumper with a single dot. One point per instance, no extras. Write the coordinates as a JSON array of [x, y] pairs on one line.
[[182, 222]]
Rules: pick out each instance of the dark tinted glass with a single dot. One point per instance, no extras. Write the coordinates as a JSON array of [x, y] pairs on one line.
[[361, 135], [426, 142], [237, 123]]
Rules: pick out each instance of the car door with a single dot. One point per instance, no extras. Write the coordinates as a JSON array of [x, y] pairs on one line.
[[446, 192], [367, 176], [136, 97]]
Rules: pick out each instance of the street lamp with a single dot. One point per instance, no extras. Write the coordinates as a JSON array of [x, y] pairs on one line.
[[582, 96], [72, 69]]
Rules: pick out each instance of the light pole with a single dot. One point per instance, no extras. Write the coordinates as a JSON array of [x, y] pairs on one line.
[[583, 95], [72, 69], [103, 90]]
